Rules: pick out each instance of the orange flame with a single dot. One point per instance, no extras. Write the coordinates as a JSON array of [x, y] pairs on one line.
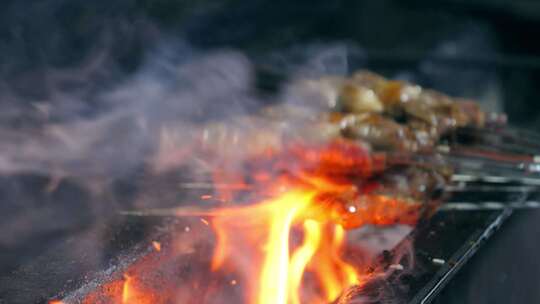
[[287, 248], [277, 272], [314, 192], [126, 290], [156, 245], [131, 294]]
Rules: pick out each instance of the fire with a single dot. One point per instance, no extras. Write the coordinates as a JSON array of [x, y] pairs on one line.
[[316, 192], [127, 294], [133, 295], [301, 258], [266, 228], [283, 240], [276, 265]]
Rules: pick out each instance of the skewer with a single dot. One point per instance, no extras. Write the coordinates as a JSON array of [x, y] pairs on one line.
[[470, 158], [468, 170], [496, 179], [466, 206], [499, 139], [473, 164], [517, 133], [488, 153], [463, 187], [503, 133]]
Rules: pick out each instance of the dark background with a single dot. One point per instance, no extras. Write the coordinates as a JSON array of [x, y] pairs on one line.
[[487, 50]]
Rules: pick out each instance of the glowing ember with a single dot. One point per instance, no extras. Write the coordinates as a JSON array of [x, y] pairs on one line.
[[126, 290], [276, 276], [156, 245], [131, 294], [205, 222]]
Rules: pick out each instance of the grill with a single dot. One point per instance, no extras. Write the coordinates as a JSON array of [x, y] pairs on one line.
[[483, 196], [497, 170]]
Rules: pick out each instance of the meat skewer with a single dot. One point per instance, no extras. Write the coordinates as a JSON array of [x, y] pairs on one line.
[[376, 135], [425, 114], [354, 188]]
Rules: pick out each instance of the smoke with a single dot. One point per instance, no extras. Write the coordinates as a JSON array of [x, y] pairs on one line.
[[127, 143], [96, 115], [93, 140], [113, 140], [77, 152], [175, 85]]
